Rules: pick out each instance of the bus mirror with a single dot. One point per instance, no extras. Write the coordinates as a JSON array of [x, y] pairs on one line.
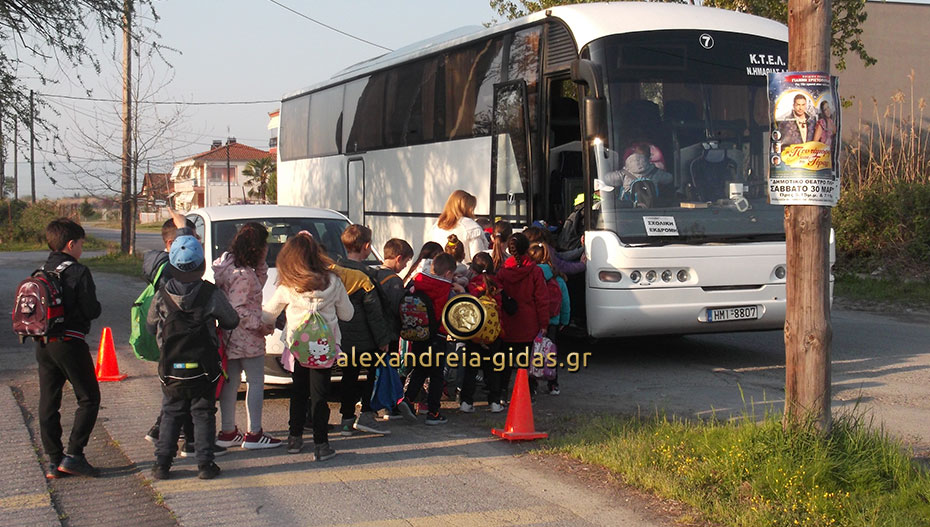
[[594, 118], [588, 73]]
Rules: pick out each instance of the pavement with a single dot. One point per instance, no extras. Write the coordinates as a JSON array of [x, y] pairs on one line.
[[455, 474]]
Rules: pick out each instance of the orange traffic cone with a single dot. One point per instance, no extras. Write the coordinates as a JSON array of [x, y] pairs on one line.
[[107, 368], [519, 424]]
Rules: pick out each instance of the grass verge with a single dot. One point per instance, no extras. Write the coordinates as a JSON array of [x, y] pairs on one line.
[[747, 473], [115, 224], [886, 290], [90, 244], [116, 262]]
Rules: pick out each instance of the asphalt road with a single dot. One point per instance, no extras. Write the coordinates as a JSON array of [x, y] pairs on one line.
[[458, 474], [145, 241]]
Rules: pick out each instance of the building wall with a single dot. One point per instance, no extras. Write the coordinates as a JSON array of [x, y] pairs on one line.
[[898, 35]]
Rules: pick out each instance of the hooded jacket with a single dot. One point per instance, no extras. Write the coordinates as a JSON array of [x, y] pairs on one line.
[[367, 330], [183, 294], [78, 294], [523, 280], [438, 290], [243, 287], [332, 303], [565, 310]]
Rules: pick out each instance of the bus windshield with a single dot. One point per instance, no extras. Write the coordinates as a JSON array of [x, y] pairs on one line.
[[687, 151]]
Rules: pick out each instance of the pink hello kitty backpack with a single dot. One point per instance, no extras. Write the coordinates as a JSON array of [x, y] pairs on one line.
[[314, 344]]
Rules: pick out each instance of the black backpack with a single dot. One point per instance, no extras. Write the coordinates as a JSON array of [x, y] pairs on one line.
[[380, 276], [39, 309], [189, 361]]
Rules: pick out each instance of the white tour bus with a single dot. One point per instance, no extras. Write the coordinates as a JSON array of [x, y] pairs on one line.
[[658, 113]]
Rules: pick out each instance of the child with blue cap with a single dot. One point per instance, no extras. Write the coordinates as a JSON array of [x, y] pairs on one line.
[[183, 317]]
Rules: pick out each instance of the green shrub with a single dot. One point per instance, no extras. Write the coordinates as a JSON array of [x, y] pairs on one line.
[[887, 226]]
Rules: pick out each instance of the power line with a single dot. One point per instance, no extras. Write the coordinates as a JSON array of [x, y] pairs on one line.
[[298, 13], [192, 103]]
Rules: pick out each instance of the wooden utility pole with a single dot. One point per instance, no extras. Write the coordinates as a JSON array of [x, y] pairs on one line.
[[126, 179], [15, 157], [808, 333], [2, 158], [32, 144]]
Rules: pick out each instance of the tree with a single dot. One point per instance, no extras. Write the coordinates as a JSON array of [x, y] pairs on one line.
[[36, 32], [272, 191], [848, 16], [259, 171]]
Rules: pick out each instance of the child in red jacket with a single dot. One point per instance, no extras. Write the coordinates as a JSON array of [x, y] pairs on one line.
[[522, 280], [438, 286]]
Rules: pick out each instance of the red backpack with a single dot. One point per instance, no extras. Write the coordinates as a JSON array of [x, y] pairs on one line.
[[39, 310], [555, 297]]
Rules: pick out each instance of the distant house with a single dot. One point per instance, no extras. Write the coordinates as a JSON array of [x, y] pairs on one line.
[[274, 122], [157, 191], [202, 180]]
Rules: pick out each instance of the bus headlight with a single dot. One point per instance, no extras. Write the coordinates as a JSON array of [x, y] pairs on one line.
[[650, 276], [636, 276], [666, 276], [610, 276], [780, 272], [683, 275]]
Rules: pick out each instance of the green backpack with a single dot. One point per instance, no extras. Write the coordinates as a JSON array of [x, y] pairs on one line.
[[143, 343]]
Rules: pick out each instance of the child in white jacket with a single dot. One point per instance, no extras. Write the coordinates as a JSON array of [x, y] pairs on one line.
[[305, 284]]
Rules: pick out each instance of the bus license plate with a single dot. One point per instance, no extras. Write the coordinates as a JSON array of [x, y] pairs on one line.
[[733, 313]]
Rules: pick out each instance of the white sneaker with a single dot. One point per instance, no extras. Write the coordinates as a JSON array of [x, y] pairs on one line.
[[467, 408], [496, 408]]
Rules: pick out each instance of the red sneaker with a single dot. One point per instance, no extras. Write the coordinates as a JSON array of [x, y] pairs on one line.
[[260, 440], [230, 439]]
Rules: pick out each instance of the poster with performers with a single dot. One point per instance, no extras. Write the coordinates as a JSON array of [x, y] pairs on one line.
[[805, 139]]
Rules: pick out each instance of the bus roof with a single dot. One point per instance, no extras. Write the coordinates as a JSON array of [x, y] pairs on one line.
[[587, 22]]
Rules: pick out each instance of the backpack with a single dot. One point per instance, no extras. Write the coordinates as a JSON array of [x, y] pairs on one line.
[[555, 296], [545, 359], [189, 359], [492, 322], [314, 344], [39, 309], [379, 277], [142, 342], [418, 322]]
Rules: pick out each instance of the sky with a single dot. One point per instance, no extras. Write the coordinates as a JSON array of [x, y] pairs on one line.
[[227, 50]]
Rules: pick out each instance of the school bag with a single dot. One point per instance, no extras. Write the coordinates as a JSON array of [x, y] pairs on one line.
[[545, 360], [39, 309], [142, 342], [314, 343], [379, 277], [555, 297], [418, 322], [189, 359]]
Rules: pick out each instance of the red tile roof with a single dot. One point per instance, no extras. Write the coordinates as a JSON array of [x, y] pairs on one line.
[[237, 152]]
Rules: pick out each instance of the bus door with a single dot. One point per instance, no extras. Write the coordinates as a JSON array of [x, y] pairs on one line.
[[510, 154], [355, 189]]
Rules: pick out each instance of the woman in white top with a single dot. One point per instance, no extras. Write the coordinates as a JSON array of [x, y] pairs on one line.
[[458, 218], [306, 284]]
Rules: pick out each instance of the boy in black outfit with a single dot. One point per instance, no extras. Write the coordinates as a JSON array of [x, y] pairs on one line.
[[67, 357], [183, 318], [152, 262]]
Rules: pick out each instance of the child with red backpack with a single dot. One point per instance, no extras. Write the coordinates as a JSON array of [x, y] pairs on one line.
[[559, 300], [524, 282], [64, 355], [438, 286]]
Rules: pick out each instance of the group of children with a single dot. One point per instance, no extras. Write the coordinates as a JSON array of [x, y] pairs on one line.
[[360, 304]]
